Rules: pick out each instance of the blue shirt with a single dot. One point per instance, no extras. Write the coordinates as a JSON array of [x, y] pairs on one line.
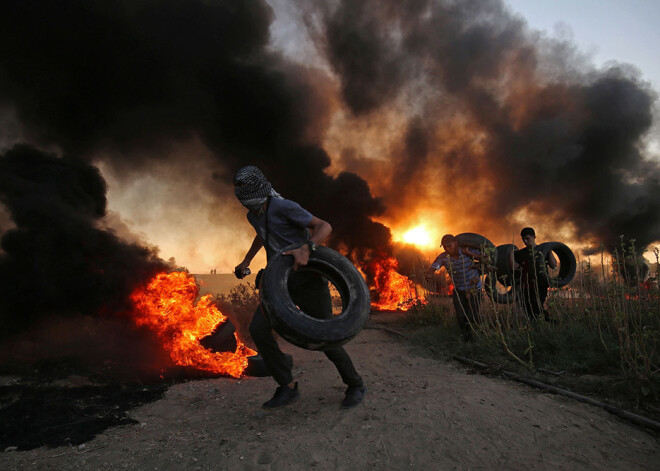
[[461, 270], [287, 225]]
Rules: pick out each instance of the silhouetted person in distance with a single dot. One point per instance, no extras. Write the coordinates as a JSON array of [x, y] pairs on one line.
[[534, 280], [459, 263], [280, 223]]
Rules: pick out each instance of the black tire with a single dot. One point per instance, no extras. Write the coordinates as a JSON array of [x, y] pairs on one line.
[[478, 242], [222, 339], [493, 290], [568, 264], [633, 270], [505, 273], [306, 331]]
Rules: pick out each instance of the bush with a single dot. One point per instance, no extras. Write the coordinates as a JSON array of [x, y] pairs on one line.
[[239, 306]]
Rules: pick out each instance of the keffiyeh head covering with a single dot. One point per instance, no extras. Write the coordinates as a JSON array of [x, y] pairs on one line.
[[251, 188]]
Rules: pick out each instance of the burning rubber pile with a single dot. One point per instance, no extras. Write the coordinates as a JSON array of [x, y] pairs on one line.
[[167, 307]]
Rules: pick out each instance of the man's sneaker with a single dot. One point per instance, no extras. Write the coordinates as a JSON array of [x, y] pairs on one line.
[[283, 396], [354, 396]]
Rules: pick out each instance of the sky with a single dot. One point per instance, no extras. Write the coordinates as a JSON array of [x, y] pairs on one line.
[[624, 31]]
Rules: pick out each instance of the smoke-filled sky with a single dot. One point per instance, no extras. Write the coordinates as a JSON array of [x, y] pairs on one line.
[[378, 116], [606, 30]]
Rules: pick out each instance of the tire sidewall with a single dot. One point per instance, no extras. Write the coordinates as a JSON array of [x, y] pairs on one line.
[[304, 330], [568, 263]]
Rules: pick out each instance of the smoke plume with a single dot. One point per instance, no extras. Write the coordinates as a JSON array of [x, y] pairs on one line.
[[499, 120], [453, 109], [128, 76], [119, 81], [57, 260]]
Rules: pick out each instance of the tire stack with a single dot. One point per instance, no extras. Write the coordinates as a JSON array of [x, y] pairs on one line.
[[500, 284]]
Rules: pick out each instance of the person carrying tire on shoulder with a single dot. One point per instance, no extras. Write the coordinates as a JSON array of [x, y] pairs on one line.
[[280, 223], [459, 263], [534, 280]]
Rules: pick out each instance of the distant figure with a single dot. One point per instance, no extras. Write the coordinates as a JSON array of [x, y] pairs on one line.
[[534, 281], [280, 223], [459, 263]]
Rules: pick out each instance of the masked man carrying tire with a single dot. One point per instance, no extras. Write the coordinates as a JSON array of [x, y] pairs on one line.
[[280, 223]]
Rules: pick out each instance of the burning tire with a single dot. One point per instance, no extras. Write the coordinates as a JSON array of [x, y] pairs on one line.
[[223, 339], [567, 263], [301, 329]]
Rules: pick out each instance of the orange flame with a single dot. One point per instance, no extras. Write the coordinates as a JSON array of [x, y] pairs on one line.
[[167, 306], [391, 290]]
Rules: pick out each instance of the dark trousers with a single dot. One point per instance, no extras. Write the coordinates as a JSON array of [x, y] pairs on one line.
[[467, 304], [534, 297], [311, 294]]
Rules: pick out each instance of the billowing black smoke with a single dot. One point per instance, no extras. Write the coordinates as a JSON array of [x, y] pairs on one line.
[[120, 78], [57, 260], [510, 122], [120, 75]]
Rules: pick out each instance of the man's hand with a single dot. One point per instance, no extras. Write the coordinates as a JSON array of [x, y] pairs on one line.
[[300, 256], [257, 243], [240, 268]]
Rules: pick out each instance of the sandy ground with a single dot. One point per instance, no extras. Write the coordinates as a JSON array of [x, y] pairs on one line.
[[419, 413]]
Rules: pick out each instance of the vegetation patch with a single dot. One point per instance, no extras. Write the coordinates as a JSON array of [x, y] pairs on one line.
[[602, 338]]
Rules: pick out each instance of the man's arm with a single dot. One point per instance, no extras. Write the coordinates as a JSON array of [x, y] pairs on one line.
[[319, 231], [257, 243], [472, 254], [552, 261], [435, 266]]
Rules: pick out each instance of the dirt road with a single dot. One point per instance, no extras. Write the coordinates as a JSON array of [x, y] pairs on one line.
[[419, 413]]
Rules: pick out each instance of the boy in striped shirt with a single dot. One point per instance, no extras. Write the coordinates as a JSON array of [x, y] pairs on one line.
[[459, 263]]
